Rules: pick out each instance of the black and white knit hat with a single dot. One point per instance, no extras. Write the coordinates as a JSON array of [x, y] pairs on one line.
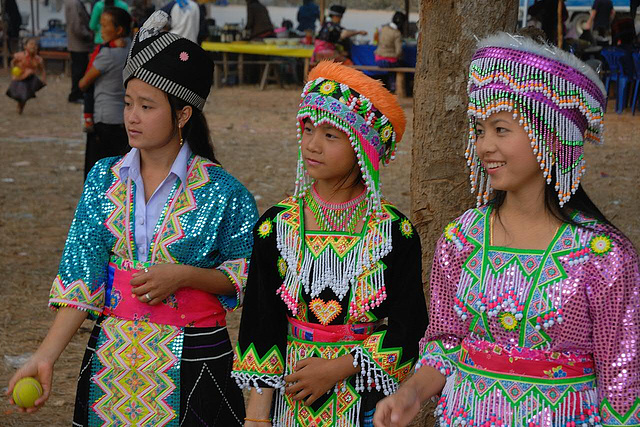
[[169, 62], [337, 10]]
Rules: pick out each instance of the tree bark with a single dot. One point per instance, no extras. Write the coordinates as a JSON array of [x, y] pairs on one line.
[[440, 188]]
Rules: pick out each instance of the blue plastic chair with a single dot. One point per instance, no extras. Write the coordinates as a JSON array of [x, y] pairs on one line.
[[636, 64], [615, 59]]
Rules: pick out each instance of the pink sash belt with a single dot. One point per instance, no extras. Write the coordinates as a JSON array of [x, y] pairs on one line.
[[187, 307], [498, 361], [331, 333]]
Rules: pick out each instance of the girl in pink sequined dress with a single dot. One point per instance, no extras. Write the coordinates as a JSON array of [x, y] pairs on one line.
[[534, 294]]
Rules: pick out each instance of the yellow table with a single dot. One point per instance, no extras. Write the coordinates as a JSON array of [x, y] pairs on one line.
[[242, 48]]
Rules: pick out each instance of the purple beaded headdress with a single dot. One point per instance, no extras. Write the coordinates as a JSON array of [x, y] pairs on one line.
[[557, 98]]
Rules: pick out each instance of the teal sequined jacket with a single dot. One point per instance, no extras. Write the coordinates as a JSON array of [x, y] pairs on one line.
[[206, 222]]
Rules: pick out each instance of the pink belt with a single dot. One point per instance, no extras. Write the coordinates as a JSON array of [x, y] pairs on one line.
[[331, 333], [500, 361], [187, 307]]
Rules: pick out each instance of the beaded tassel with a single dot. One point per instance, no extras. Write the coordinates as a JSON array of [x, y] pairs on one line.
[[578, 408], [327, 270], [371, 376]]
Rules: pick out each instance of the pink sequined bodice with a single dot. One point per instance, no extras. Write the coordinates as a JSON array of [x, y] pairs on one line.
[[581, 296]]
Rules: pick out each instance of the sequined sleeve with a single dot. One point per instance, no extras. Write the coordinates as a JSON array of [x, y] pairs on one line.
[[82, 273], [237, 240], [262, 342], [387, 356], [440, 346], [614, 301]]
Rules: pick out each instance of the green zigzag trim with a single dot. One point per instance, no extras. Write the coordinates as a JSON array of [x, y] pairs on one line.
[[392, 350], [270, 353], [533, 391], [622, 419], [332, 400]]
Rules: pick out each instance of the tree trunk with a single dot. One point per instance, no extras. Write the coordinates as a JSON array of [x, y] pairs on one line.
[[440, 188]]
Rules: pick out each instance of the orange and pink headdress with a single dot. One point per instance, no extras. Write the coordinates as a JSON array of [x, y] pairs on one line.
[[360, 107]]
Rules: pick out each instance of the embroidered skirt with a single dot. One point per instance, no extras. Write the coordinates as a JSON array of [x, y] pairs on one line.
[[146, 374], [343, 406], [164, 365], [496, 385]]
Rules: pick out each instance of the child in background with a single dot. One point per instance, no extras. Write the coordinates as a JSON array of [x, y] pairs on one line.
[[24, 66], [87, 112], [110, 137]]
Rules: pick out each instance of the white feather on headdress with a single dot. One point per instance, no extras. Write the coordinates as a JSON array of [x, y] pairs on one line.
[[152, 26]]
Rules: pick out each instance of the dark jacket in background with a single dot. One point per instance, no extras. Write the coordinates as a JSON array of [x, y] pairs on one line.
[[308, 13], [258, 21], [15, 20], [79, 36], [546, 11], [602, 20]]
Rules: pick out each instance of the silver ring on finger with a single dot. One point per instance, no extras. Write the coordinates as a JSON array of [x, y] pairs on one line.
[[148, 297], [146, 270]]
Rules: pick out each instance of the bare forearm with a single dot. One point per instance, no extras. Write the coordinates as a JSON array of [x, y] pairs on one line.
[[349, 33], [344, 367], [206, 279], [259, 405], [64, 326], [427, 382]]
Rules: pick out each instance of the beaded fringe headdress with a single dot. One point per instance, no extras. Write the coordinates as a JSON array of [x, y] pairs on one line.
[[370, 115], [360, 107], [558, 100]]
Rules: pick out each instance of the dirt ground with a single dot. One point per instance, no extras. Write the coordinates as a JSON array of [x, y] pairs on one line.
[[41, 161]]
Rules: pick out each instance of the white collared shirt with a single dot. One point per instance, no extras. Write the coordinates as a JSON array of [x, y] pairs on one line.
[[147, 214]]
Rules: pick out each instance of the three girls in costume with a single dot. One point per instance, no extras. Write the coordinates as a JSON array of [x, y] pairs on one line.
[[547, 336], [157, 269], [319, 295]]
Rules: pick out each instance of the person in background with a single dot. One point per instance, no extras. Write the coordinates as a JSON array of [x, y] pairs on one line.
[[623, 32], [546, 12], [110, 137], [333, 42], [308, 14], [25, 83], [79, 43], [141, 10], [633, 8], [14, 19], [185, 18], [602, 13], [94, 23], [285, 29], [258, 21], [389, 51]]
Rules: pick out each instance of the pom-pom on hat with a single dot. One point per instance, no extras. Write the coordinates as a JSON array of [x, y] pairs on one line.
[[362, 108], [558, 99], [169, 62]]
